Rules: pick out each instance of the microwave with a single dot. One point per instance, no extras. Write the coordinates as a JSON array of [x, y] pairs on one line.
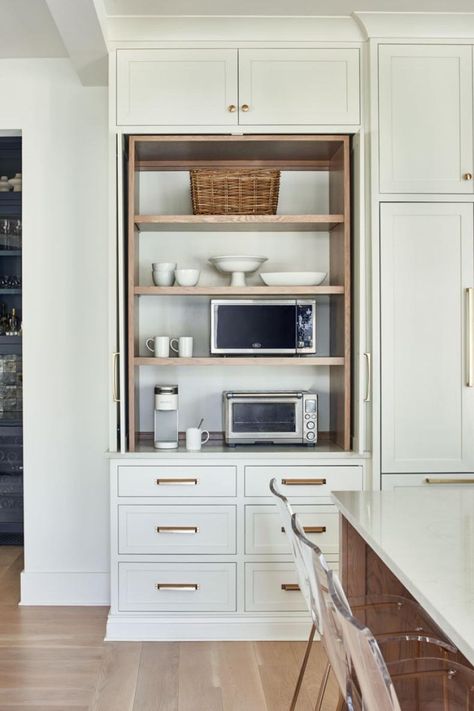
[[263, 326], [270, 417]]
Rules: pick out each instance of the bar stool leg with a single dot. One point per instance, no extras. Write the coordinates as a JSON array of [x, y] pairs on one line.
[[303, 668], [322, 688]]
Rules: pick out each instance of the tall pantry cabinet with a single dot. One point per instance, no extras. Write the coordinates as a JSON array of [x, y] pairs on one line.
[[426, 250]]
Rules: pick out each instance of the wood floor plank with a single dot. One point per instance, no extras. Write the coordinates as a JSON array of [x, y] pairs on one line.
[[198, 686], [236, 662], [157, 683], [117, 677], [10, 581], [279, 671]]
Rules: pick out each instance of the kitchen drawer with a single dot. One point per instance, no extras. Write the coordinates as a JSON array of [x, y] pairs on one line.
[[303, 481], [186, 481], [187, 587], [435, 481], [177, 529], [264, 587], [264, 535]]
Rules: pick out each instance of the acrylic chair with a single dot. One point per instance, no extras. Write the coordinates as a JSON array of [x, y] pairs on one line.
[[405, 621], [421, 684]]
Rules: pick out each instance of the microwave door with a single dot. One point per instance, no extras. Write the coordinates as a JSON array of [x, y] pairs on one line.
[[278, 419], [254, 326]]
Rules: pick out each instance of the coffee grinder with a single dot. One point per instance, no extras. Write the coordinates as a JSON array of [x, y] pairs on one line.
[[166, 417]]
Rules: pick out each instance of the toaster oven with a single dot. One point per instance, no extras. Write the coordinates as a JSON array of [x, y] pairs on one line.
[[270, 417]]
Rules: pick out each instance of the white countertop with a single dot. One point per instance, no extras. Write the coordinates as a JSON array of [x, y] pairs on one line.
[[426, 538], [212, 451]]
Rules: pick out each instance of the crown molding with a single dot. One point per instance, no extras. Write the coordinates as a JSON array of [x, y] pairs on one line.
[[416, 25], [122, 31]]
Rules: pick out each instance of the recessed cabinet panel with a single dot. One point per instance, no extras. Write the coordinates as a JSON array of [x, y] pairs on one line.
[[427, 256], [176, 87], [177, 529], [299, 86], [426, 123], [265, 535]]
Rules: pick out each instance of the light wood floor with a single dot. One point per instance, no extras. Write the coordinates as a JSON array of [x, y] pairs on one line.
[[55, 658]]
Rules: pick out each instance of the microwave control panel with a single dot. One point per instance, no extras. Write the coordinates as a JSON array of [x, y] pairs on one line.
[[310, 419]]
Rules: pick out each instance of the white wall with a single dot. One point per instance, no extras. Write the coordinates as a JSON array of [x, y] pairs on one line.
[[65, 204]]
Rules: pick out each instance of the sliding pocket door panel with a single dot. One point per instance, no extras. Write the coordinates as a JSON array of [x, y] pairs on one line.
[[427, 257]]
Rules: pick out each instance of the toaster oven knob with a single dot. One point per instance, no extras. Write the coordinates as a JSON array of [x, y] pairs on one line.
[[310, 436], [310, 425]]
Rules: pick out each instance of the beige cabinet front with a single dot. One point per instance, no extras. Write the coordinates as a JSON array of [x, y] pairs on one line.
[[177, 87], [426, 119], [298, 86], [427, 330]]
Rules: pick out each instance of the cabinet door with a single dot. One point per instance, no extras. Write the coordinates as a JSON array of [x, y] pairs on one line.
[[427, 264], [425, 97], [177, 87], [299, 86]]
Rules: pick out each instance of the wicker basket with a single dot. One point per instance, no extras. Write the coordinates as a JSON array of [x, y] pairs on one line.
[[235, 192]]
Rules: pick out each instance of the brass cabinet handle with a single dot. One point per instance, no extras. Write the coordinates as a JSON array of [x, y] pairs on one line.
[[245, 108], [303, 482], [177, 529], [232, 108], [429, 480], [470, 337], [310, 529], [467, 176], [115, 392], [177, 482], [368, 387], [290, 587], [188, 587]]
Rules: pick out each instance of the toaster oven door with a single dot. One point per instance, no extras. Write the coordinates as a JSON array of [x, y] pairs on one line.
[[264, 419]]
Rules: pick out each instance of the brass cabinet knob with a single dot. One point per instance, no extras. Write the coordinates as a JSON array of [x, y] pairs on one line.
[[245, 107], [467, 176], [232, 108]]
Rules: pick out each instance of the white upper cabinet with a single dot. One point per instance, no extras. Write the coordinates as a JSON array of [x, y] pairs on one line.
[[426, 119], [299, 86], [427, 266], [202, 87], [177, 87]]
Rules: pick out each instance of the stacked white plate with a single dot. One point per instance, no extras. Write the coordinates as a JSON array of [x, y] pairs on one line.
[[293, 278]]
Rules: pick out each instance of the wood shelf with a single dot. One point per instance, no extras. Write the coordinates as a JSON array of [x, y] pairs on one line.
[[237, 360], [237, 290], [311, 223]]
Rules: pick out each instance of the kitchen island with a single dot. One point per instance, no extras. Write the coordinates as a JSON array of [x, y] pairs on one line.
[[416, 541]]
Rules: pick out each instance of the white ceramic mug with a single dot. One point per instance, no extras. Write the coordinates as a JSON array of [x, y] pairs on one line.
[[183, 347], [194, 440], [159, 346]]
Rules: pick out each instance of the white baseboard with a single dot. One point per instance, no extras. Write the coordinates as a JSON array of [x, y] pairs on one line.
[[65, 588], [180, 629]]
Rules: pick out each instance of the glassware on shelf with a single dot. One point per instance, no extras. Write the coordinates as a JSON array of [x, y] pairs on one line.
[[14, 324], [5, 233]]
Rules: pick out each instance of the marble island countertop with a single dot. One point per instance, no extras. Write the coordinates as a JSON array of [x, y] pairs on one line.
[[426, 538]]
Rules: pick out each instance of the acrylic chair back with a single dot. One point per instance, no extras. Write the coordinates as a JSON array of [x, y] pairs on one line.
[[286, 514], [363, 654], [318, 571]]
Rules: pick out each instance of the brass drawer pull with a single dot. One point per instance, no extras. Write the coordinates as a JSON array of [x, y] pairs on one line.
[[310, 529], [290, 587], [176, 482], [177, 529], [188, 587], [303, 482], [428, 480]]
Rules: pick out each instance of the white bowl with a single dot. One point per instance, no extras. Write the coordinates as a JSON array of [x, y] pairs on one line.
[[293, 278], [238, 266], [187, 277], [162, 278], [164, 266]]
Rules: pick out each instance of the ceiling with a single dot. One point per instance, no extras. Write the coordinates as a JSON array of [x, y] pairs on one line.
[[332, 8], [28, 30]]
